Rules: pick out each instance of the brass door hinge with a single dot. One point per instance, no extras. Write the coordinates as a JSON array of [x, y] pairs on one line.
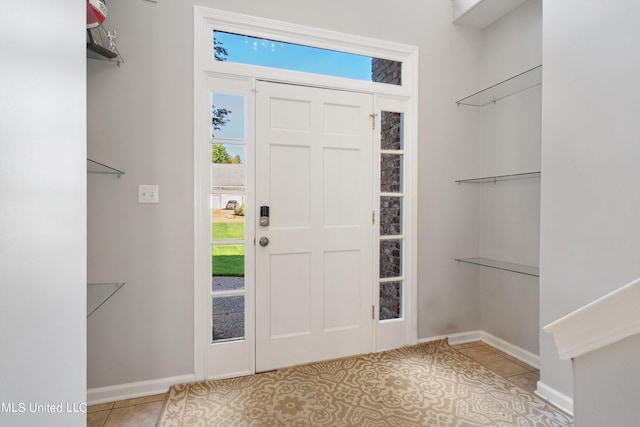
[[373, 217], [373, 312], [373, 120]]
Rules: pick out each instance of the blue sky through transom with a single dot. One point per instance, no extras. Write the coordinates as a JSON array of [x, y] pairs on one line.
[[269, 53]]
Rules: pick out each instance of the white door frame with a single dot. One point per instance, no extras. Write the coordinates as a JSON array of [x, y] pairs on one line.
[[385, 95]]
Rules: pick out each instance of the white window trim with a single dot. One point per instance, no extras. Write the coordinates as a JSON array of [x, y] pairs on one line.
[[205, 21]]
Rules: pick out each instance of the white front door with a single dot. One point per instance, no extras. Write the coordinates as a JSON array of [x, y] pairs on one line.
[[314, 277]]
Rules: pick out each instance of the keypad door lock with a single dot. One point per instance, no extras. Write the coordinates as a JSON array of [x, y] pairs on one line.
[[264, 216]]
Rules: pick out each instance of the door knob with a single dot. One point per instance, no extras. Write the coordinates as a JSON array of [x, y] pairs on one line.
[[264, 241]]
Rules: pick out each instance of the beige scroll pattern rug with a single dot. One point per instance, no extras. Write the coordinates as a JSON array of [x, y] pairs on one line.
[[430, 384]]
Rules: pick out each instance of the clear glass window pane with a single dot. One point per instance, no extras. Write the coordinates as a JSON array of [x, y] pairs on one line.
[[227, 283], [227, 216], [391, 173], [228, 317], [390, 300], [249, 50], [390, 216], [227, 168], [227, 116], [390, 258], [228, 154], [392, 131], [227, 260]]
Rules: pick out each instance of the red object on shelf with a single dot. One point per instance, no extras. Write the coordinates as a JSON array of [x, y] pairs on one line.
[[96, 12]]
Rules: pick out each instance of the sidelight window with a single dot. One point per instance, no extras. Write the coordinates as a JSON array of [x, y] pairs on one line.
[[227, 201], [391, 216]]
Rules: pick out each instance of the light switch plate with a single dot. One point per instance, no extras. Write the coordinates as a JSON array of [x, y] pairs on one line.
[[148, 193]]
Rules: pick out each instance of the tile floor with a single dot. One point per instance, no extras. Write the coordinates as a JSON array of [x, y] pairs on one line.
[[139, 412], [514, 370], [144, 411]]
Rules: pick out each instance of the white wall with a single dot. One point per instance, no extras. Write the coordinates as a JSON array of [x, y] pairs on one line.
[[590, 232], [140, 119], [607, 382], [510, 210], [42, 212], [447, 223]]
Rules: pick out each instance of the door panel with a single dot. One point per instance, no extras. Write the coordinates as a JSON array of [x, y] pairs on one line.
[[341, 296], [290, 279], [290, 195], [341, 173], [314, 278]]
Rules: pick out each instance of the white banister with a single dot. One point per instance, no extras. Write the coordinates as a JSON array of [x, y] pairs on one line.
[[604, 321]]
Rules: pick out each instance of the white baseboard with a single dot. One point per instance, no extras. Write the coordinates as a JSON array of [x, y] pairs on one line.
[[553, 396], [136, 389], [459, 338], [512, 350], [470, 336]]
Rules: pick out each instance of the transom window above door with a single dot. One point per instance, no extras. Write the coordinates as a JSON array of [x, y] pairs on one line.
[[245, 49]]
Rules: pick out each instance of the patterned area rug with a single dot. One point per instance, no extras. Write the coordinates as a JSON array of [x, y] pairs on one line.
[[429, 384]]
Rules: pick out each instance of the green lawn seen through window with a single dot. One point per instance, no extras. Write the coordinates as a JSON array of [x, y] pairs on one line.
[[227, 260], [227, 230]]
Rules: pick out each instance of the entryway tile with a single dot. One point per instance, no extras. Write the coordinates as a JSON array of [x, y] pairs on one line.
[[99, 407], [467, 345], [139, 400], [528, 381], [494, 361], [96, 418], [143, 415], [513, 359]]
